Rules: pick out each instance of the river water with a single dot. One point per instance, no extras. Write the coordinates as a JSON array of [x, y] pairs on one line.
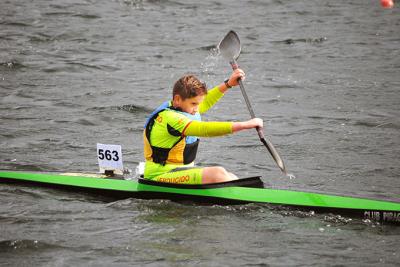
[[323, 75]]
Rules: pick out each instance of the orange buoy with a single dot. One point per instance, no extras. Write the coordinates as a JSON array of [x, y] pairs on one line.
[[387, 3]]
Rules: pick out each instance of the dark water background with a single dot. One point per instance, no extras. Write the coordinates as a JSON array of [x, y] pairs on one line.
[[324, 75]]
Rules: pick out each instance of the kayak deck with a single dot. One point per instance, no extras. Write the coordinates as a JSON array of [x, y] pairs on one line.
[[245, 190]]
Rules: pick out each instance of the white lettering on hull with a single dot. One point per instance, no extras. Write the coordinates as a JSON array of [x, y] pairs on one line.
[[385, 216]]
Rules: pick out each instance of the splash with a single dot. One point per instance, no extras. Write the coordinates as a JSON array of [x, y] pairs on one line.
[[210, 64], [291, 176]]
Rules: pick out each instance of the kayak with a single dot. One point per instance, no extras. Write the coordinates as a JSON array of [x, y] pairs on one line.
[[246, 190]]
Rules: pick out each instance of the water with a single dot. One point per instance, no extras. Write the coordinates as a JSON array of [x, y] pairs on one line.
[[324, 76]]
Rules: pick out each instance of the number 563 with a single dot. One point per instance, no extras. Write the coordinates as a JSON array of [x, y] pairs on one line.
[[108, 155]]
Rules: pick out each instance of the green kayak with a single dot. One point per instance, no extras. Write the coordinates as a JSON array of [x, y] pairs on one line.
[[247, 190]]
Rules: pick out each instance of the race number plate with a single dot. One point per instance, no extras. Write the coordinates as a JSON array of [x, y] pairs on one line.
[[110, 158]]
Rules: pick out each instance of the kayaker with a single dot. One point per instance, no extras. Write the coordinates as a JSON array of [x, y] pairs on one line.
[[172, 130]]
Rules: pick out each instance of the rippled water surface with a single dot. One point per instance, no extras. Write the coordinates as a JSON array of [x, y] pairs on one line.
[[324, 76]]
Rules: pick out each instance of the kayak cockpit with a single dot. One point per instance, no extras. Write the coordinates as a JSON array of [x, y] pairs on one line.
[[253, 182]]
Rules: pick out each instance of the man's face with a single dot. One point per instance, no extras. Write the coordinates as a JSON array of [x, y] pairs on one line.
[[189, 105]]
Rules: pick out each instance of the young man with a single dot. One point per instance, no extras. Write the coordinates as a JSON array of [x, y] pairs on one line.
[[171, 131]]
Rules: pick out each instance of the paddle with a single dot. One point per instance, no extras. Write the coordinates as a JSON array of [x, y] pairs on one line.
[[230, 49]]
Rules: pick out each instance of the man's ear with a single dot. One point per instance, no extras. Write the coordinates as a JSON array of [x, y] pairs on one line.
[[177, 100]]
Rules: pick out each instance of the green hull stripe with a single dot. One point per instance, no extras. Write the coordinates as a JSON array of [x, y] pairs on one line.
[[262, 195], [81, 181]]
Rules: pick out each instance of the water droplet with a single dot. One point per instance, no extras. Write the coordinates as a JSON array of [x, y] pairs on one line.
[[291, 176]]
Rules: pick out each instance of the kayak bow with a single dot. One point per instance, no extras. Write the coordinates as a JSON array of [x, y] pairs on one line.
[[247, 190]]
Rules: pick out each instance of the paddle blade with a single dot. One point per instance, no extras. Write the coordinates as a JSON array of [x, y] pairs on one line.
[[274, 155], [229, 47]]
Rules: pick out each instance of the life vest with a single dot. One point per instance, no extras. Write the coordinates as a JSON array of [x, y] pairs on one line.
[[183, 150]]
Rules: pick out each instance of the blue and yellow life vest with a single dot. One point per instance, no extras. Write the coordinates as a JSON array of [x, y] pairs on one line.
[[181, 150]]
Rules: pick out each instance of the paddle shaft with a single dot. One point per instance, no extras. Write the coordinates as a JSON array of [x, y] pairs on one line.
[[266, 143]]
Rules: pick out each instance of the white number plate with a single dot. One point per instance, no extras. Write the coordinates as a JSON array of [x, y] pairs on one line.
[[110, 158]]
